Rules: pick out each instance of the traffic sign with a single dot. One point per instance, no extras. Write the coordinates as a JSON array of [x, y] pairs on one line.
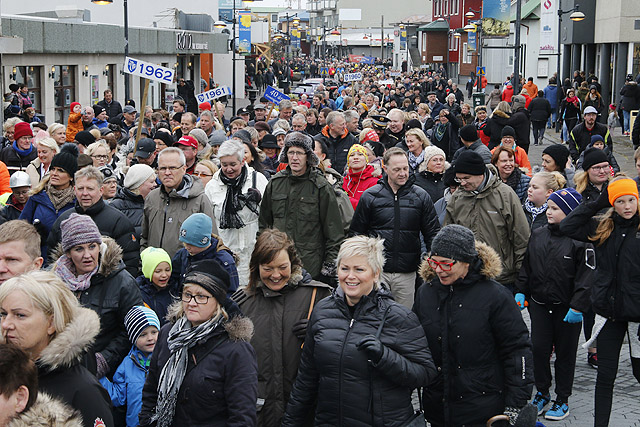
[[148, 70], [481, 71], [352, 77], [274, 95], [324, 71], [213, 94]]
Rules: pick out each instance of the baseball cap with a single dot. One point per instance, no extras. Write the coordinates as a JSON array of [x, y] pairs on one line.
[[242, 111], [590, 110], [189, 141], [146, 146], [129, 109], [260, 107]]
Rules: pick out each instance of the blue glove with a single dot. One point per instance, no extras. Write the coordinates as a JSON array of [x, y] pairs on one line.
[[520, 301], [573, 316]]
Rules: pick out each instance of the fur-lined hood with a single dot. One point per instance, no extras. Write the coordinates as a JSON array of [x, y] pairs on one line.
[[239, 328], [69, 346], [500, 114], [46, 412], [110, 256], [491, 264]]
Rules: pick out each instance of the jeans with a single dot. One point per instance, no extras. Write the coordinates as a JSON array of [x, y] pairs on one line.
[[538, 131], [627, 120], [553, 118]]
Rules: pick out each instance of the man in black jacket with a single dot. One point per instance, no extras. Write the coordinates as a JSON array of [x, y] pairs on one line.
[[520, 121], [112, 107], [398, 211], [110, 221], [338, 140], [580, 136]]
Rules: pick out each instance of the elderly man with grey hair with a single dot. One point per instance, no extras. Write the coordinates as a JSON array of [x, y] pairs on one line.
[[352, 121], [285, 108], [299, 123], [300, 202], [337, 139]]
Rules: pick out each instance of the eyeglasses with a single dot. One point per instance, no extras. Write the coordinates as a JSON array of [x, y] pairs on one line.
[[171, 169], [100, 157], [444, 266], [202, 174], [22, 192], [200, 299], [296, 153], [461, 180], [599, 168]]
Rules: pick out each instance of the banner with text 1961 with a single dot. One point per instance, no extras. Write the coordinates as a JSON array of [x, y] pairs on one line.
[[548, 27], [244, 34], [495, 18]]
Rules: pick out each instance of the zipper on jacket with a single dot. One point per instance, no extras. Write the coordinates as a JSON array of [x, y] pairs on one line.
[[344, 342], [164, 222], [396, 232]]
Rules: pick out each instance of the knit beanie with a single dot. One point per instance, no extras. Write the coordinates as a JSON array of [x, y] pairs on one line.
[[593, 156], [22, 129], [73, 104], [139, 318], [211, 276], [469, 133], [77, 230], [470, 162], [567, 199], [455, 242], [243, 136], [371, 135], [508, 131], [66, 159], [559, 153], [217, 137], [357, 148], [151, 258], [299, 139], [200, 136], [137, 175], [196, 230], [85, 138], [165, 137], [84, 160], [596, 138], [430, 151], [622, 187], [413, 124]]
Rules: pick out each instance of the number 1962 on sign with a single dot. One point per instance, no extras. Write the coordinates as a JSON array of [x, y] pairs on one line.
[[148, 70]]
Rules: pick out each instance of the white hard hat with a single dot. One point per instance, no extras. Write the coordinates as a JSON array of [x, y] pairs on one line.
[[19, 179]]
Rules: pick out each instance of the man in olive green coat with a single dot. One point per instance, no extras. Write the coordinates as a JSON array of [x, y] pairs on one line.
[[300, 202]]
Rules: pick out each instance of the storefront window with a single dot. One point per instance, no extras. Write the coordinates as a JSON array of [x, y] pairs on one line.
[[31, 77], [65, 92]]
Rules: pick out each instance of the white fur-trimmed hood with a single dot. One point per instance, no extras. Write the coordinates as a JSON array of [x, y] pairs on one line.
[[47, 412]]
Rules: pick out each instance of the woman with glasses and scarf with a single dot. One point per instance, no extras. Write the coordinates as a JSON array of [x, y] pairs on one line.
[[203, 370], [235, 192]]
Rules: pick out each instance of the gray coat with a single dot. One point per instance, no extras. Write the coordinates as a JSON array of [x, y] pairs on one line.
[[478, 147]]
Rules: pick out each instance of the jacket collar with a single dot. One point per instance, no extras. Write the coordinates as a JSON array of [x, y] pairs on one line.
[[91, 210]]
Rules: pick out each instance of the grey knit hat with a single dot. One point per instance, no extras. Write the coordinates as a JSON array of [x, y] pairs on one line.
[[455, 242], [299, 139], [77, 230]]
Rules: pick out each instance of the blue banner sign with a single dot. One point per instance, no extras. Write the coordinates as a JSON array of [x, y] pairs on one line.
[[274, 95]]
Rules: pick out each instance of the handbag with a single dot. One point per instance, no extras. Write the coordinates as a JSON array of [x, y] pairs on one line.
[[417, 419]]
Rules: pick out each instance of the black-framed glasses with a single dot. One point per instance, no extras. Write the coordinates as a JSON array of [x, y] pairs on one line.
[[444, 266], [200, 299]]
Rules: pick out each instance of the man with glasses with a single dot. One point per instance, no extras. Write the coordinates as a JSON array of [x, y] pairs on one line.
[[491, 209], [399, 212], [300, 202], [166, 207], [18, 155]]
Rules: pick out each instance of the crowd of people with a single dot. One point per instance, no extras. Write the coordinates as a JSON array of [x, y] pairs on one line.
[[317, 261]]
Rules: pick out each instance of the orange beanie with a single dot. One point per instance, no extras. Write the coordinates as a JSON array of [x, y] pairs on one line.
[[622, 187]]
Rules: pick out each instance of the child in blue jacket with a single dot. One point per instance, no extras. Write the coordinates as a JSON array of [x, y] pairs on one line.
[[158, 290], [142, 326]]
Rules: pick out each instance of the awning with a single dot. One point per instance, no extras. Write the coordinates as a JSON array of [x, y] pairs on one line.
[[437, 26]]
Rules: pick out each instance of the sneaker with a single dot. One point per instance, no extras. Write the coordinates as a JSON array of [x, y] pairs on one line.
[[558, 411], [592, 360], [540, 401]]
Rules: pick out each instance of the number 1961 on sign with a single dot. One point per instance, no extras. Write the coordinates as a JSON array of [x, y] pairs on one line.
[[148, 70]]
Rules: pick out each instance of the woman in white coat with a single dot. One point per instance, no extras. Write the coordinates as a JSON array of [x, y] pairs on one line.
[[235, 192]]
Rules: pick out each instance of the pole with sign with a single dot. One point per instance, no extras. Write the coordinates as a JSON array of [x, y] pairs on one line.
[[149, 72], [274, 96]]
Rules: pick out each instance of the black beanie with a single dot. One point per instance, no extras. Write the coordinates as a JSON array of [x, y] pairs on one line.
[[66, 159], [211, 276], [508, 131], [593, 156], [413, 124], [469, 133], [85, 138], [470, 162], [559, 154]]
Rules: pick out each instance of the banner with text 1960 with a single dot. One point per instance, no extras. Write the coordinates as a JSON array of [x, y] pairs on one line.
[[548, 27], [495, 18]]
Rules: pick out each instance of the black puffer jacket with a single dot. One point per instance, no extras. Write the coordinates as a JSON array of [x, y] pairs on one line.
[[615, 290], [112, 293], [132, 205], [398, 219], [16, 162], [499, 119], [521, 123], [479, 342], [338, 147], [334, 371], [557, 269], [431, 182], [540, 109], [111, 223]]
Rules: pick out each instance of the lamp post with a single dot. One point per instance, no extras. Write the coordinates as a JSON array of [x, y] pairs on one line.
[[450, 32], [575, 16], [126, 40], [477, 27]]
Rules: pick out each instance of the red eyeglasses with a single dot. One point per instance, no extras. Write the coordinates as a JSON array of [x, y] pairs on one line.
[[444, 266]]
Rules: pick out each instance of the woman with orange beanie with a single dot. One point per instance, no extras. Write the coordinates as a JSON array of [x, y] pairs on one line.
[[359, 175], [615, 292]]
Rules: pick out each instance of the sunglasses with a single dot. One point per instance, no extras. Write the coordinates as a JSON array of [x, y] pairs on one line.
[[444, 266]]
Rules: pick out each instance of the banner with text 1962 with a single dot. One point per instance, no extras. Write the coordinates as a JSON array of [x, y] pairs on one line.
[[548, 27], [495, 18], [244, 34]]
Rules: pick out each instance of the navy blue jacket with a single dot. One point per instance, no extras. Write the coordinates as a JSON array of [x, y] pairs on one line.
[[158, 300]]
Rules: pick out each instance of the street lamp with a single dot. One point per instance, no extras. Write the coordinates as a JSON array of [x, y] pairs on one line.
[[477, 27], [126, 39], [575, 16], [450, 32]]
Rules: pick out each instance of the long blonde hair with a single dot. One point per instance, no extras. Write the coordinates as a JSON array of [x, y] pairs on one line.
[[606, 225], [581, 181]]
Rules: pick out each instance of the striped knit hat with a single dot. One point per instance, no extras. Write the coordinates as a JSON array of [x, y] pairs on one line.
[[138, 319], [567, 199], [77, 230]]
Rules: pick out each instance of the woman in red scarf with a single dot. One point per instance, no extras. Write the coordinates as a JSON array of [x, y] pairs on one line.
[[570, 110], [359, 174]]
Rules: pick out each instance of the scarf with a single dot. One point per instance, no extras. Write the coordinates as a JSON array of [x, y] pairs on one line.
[[573, 100], [514, 179], [22, 153], [65, 269], [235, 201], [414, 161], [440, 130], [60, 198], [530, 207], [181, 338]]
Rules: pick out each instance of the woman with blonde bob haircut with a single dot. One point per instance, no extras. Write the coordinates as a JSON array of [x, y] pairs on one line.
[[42, 317], [363, 353], [615, 291]]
